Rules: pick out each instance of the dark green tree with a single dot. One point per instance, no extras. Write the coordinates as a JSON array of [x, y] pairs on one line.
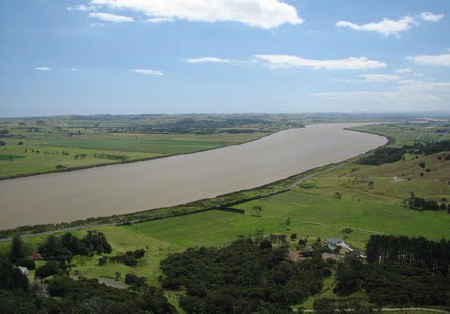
[[18, 250]]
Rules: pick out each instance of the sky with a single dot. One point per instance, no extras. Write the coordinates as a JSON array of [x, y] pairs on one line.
[[62, 57]]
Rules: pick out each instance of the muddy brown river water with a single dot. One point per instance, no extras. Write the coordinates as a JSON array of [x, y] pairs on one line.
[[124, 188]]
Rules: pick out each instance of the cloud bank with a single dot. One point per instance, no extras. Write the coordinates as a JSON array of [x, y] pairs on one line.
[[259, 13], [287, 61], [385, 27], [430, 17], [207, 59], [111, 17]]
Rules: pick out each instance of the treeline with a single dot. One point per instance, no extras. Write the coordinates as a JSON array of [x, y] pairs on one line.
[[419, 203], [404, 251], [244, 277], [129, 258], [199, 126], [57, 251], [56, 248], [392, 154], [112, 157], [390, 285], [405, 286], [382, 156]]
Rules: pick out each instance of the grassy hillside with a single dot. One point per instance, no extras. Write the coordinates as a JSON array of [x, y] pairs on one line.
[[377, 209]]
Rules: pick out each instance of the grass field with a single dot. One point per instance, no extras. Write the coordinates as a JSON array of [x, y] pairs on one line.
[[376, 210]]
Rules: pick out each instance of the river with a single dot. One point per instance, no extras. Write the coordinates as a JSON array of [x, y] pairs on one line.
[[125, 188]]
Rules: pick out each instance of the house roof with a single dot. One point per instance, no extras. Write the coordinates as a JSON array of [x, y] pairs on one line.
[[36, 256], [334, 241]]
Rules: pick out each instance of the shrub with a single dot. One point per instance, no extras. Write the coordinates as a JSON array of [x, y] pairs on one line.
[[28, 263], [46, 270], [102, 260], [131, 279], [129, 261], [139, 253]]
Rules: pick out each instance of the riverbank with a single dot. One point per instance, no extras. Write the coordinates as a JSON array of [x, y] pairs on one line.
[[223, 200], [134, 160]]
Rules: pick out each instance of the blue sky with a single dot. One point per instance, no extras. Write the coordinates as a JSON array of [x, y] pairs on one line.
[[223, 56]]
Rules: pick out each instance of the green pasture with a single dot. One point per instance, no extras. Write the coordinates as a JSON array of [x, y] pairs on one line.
[[362, 208], [49, 157]]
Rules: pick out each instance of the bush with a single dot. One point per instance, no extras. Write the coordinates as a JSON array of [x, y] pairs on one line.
[[139, 253], [97, 240], [131, 279], [46, 270], [11, 277], [28, 263], [129, 261], [102, 260]]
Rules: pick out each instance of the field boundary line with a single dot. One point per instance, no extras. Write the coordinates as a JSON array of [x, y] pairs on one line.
[[318, 223]]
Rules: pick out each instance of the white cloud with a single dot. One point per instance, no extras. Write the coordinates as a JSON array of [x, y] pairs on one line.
[[43, 69], [380, 78], [147, 72], [430, 17], [74, 70], [385, 27], [403, 71], [431, 60], [159, 20], [207, 59], [259, 13], [111, 17], [286, 61]]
